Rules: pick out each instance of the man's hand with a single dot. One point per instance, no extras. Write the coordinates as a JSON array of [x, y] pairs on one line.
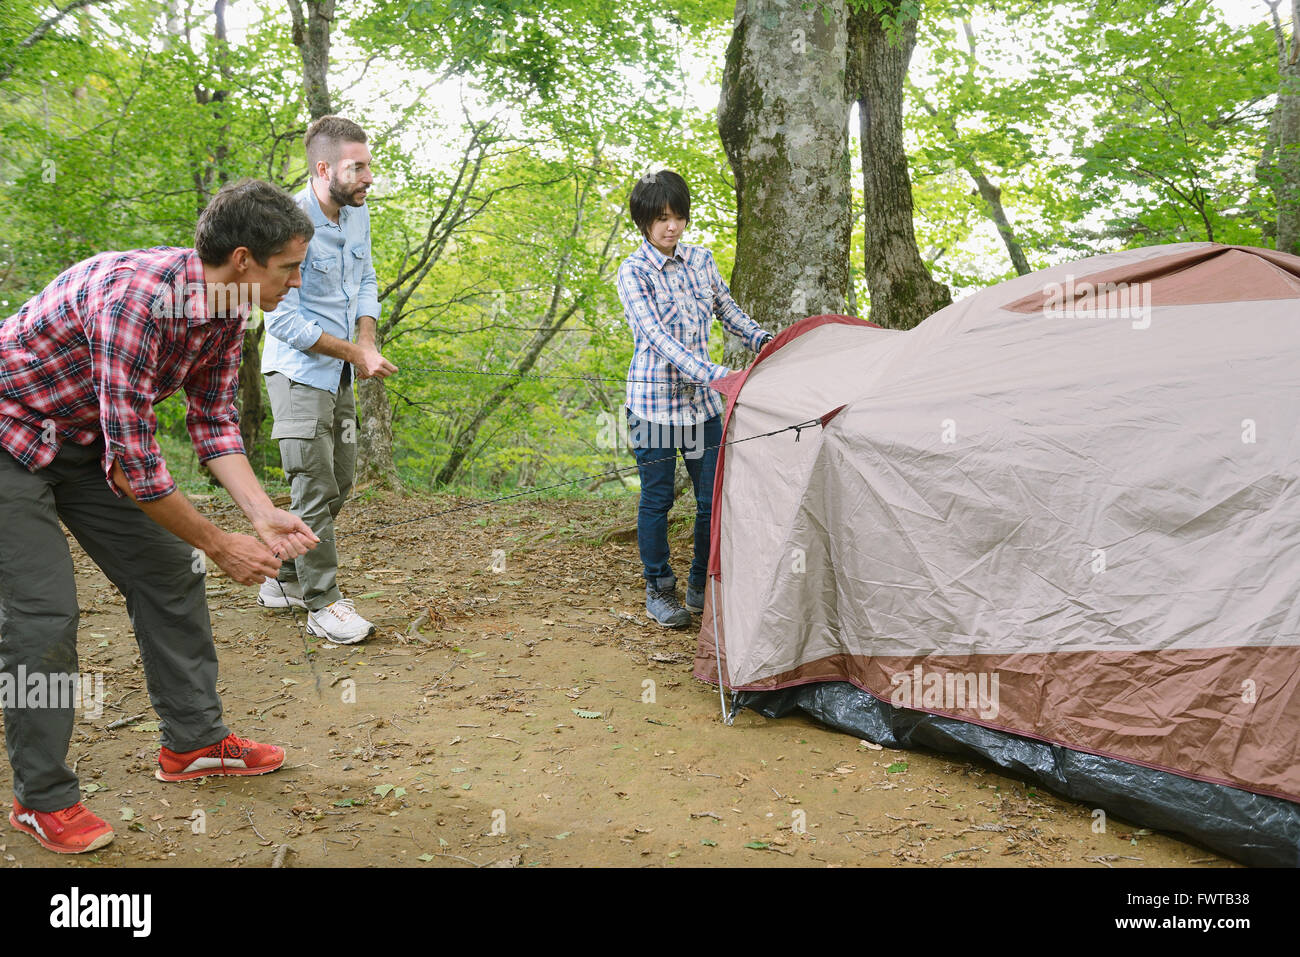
[[286, 534], [370, 364], [244, 559]]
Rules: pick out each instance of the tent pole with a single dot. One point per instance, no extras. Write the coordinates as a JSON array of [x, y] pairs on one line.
[[727, 719]]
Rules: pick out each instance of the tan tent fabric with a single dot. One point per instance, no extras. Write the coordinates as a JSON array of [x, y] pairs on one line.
[[1099, 509]]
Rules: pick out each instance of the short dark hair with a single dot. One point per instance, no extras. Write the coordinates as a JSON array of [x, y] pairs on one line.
[[653, 192], [251, 213], [323, 139]]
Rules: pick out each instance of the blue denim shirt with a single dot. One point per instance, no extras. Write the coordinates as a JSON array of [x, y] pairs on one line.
[[338, 285]]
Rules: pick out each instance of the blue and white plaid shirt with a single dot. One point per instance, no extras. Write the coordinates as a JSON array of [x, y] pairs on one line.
[[670, 304]]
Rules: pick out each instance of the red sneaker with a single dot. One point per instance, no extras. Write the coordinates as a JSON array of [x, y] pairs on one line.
[[231, 755], [74, 830]]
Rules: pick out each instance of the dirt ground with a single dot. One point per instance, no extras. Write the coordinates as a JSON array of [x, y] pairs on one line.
[[526, 714]]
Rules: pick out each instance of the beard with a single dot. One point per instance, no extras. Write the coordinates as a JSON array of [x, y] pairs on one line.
[[344, 195]]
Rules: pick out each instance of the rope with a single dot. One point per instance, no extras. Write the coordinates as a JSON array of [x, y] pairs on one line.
[[442, 370], [796, 427]]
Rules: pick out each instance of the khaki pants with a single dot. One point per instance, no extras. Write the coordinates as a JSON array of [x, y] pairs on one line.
[[317, 431], [163, 581]]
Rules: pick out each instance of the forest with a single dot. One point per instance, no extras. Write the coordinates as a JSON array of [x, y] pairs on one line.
[[940, 147]]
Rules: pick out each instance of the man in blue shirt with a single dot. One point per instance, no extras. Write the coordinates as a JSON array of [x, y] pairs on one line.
[[309, 360]]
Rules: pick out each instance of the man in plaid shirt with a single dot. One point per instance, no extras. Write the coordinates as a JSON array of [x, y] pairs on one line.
[[670, 294], [81, 366]]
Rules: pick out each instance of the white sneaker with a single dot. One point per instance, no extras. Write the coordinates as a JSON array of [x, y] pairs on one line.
[[339, 623], [278, 594]]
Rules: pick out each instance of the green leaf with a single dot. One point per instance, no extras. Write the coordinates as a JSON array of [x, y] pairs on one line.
[[345, 802], [371, 594], [896, 767], [145, 726], [707, 843], [129, 815], [758, 845], [586, 714], [562, 835], [425, 857], [399, 792], [383, 789]]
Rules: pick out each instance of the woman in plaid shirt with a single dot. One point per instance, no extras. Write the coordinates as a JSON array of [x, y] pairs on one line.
[[670, 294]]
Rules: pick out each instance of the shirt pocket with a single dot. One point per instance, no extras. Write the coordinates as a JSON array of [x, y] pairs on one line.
[[356, 264], [325, 271]]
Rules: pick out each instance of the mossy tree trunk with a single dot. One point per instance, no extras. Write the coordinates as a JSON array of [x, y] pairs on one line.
[[902, 289], [783, 118]]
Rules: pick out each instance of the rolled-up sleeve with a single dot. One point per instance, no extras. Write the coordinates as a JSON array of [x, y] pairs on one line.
[[368, 294], [734, 319], [123, 338], [212, 418], [638, 306], [287, 323]]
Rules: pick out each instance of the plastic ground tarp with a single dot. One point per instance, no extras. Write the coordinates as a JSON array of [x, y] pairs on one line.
[[1250, 828]]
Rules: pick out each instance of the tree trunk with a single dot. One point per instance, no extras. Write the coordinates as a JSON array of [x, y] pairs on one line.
[[1286, 179], [992, 196], [375, 435], [252, 410], [783, 119], [311, 35], [902, 290]]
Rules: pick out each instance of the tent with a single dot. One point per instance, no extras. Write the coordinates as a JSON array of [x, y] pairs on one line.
[[1055, 526]]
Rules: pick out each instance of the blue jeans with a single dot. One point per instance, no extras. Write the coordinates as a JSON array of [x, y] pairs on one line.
[[655, 447]]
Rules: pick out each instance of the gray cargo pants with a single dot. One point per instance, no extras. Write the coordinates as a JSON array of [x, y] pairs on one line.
[[165, 598], [317, 431]]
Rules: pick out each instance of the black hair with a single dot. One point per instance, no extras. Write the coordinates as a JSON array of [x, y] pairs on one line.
[[653, 192], [250, 213]]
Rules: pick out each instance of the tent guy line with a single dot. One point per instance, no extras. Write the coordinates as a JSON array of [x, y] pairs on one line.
[[796, 427], [441, 370]]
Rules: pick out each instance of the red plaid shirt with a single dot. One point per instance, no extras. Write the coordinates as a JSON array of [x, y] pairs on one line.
[[100, 345]]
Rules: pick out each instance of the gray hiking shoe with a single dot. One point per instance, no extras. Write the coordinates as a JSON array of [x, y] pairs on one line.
[[662, 605], [695, 599]]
